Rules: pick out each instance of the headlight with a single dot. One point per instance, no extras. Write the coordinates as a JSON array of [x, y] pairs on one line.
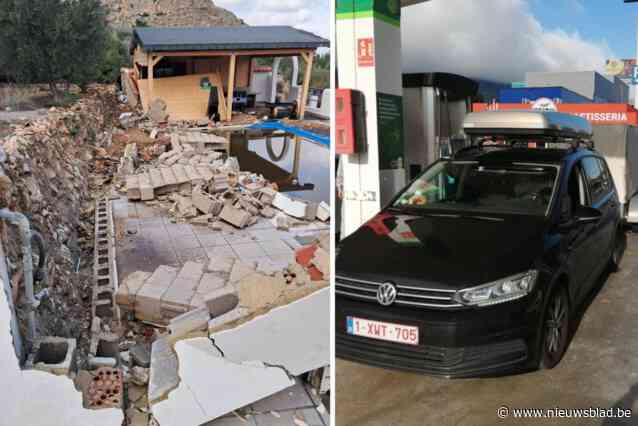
[[505, 290]]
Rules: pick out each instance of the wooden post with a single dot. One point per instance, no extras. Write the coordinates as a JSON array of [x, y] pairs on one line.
[[309, 59], [231, 87], [151, 65]]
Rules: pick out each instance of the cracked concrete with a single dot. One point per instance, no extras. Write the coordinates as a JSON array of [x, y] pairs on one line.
[[237, 361], [60, 396]]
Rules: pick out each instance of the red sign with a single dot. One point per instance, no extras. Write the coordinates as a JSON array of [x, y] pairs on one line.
[[595, 113], [365, 52]]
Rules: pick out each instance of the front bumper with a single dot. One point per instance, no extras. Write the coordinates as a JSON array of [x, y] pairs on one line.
[[502, 339]]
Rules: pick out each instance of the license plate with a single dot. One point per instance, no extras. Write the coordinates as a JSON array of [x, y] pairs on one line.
[[383, 330]]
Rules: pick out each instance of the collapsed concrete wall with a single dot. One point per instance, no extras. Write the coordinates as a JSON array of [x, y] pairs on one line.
[[37, 398]]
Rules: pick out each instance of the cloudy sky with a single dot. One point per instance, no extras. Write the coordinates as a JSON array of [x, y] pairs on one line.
[[501, 39], [309, 15]]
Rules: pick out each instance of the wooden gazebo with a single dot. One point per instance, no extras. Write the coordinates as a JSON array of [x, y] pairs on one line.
[[182, 65]]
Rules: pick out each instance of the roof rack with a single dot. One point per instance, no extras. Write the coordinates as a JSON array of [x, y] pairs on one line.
[[569, 145]]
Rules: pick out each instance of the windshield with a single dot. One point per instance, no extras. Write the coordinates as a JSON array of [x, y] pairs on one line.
[[468, 186]]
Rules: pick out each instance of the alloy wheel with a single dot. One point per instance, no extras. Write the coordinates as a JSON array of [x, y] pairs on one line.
[[556, 329]]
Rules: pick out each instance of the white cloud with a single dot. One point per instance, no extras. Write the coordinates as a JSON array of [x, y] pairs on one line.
[[309, 15], [497, 40]]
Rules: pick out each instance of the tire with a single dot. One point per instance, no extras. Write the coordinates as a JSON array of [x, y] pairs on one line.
[[617, 251], [555, 329]]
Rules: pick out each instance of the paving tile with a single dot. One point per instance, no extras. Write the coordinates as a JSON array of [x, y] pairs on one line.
[[267, 234], [275, 247], [293, 243], [285, 418], [263, 223], [120, 208], [185, 242], [165, 256], [178, 229], [152, 221], [212, 240], [232, 421], [220, 251], [282, 260], [238, 237], [291, 398], [204, 230], [248, 250], [145, 212], [310, 416], [156, 236], [192, 255]]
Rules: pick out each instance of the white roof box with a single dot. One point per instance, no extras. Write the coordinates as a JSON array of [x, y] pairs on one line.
[[527, 123]]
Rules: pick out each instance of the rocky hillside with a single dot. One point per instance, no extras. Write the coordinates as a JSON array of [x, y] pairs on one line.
[[168, 13]]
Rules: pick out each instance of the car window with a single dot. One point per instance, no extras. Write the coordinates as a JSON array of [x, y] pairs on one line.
[[607, 179], [577, 189], [471, 187], [598, 183]]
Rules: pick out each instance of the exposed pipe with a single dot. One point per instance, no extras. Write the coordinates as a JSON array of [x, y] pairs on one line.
[[22, 222]]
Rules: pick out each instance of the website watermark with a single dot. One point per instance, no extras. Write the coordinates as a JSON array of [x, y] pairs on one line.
[[505, 412]]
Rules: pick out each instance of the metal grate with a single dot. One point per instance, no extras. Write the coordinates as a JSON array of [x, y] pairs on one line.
[[406, 295]]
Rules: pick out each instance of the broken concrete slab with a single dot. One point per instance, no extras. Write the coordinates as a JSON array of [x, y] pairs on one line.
[[323, 211], [286, 328], [141, 354], [191, 321], [299, 209], [234, 216], [163, 376], [220, 301], [243, 371], [61, 396], [195, 401], [236, 314]]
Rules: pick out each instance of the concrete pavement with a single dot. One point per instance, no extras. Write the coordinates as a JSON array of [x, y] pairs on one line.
[[600, 369]]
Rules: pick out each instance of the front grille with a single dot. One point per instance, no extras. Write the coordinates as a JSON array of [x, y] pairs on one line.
[[430, 359], [406, 295]]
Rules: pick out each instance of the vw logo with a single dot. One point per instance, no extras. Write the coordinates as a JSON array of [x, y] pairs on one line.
[[386, 294]]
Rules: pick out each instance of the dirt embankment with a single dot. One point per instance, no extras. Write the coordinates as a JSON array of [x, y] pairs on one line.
[[49, 166]]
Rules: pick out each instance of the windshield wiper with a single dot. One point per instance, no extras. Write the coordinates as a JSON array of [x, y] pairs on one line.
[[486, 218]]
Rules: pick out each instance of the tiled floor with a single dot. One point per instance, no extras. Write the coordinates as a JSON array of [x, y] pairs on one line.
[[289, 407], [148, 239]]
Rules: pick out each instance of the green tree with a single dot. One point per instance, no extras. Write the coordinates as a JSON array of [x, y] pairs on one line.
[[53, 41], [116, 56]]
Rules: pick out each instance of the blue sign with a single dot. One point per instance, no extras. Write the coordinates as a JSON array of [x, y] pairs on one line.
[[635, 75]]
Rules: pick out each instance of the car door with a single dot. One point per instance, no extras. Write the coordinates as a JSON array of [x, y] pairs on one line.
[[580, 246], [604, 198]]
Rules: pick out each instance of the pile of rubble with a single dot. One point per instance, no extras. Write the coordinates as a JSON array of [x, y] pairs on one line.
[[221, 286], [207, 187]]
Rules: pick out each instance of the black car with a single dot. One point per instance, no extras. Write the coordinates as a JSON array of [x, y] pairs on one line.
[[478, 266]]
